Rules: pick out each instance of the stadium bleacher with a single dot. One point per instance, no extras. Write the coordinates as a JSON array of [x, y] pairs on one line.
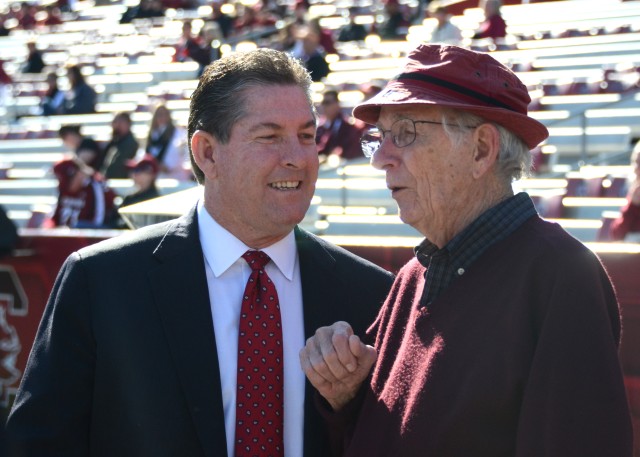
[[582, 75]]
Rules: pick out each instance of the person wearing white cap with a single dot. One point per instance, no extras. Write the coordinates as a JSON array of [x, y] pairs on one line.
[[500, 337]]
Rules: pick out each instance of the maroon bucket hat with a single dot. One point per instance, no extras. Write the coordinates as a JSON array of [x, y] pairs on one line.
[[455, 77]]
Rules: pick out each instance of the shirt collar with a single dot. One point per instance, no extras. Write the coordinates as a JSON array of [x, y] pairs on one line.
[[491, 226], [222, 249]]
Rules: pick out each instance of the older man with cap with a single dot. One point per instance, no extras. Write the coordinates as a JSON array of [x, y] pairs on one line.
[[500, 337]]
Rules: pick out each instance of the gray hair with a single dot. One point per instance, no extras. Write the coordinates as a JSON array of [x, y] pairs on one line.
[[514, 157], [219, 100]]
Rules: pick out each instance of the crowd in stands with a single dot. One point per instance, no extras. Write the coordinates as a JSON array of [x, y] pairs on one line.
[[31, 15], [287, 26], [85, 199]]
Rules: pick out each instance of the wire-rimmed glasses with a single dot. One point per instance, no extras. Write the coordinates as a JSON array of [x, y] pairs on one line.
[[403, 134]]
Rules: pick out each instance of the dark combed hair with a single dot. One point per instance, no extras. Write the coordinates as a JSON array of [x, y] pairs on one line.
[[73, 129], [218, 102]]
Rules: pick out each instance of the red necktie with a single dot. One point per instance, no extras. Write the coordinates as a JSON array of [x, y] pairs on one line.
[[259, 404]]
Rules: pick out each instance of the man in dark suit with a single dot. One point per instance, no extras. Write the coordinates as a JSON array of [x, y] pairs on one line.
[[139, 344]]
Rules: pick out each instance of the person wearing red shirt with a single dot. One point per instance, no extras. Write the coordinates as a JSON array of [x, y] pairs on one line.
[[627, 225], [337, 134], [84, 199], [493, 25]]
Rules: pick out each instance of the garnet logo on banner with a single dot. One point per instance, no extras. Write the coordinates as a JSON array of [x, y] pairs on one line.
[[13, 302]]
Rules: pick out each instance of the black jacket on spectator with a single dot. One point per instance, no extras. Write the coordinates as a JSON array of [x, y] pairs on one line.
[[82, 100]]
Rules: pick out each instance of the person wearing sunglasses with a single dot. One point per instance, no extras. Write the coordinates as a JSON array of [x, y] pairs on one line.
[[500, 337]]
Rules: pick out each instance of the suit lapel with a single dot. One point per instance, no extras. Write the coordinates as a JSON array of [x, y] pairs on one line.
[[321, 291], [182, 299], [321, 288]]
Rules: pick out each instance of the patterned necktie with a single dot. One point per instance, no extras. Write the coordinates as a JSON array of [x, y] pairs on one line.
[[259, 396]]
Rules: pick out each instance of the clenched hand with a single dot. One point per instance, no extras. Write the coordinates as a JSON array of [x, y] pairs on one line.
[[336, 363]]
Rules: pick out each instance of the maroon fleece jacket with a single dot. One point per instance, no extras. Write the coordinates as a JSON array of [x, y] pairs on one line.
[[518, 358]]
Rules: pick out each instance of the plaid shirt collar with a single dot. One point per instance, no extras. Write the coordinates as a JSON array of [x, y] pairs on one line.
[[444, 265]]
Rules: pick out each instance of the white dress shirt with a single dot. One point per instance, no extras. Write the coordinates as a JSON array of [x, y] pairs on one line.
[[227, 276]]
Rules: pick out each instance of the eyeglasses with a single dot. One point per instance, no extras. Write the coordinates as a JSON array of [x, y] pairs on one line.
[[403, 134]]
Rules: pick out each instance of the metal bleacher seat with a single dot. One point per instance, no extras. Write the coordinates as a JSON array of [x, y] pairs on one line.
[[589, 207], [583, 186]]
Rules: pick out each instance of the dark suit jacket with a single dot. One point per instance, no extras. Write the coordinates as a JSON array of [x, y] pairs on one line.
[[125, 360]]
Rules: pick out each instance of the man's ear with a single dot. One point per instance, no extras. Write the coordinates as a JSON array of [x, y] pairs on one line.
[[486, 139], [204, 147]]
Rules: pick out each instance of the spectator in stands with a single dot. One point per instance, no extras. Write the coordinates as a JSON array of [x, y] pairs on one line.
[[444, 31], [26, 16], [5, 84], [4, 76], [65, 5], [8, 235], [167, 143], [81, 98], [145, 9], [34, 62], [4, 31], [308, 49], [188, 45], [493, 25], [224, 21], [84, 200], [210, 40], [143, 172], [300, 10], [500, 337], [325, 36], [246, 19], [122, 147], [627, 226], [352, 31], [53, 99], [287, 40], [138, 351], [395, 23], [52, 16], [337, 134], [252, 17], [86, 149], [274, 7], [371, 88], [180, 4]]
